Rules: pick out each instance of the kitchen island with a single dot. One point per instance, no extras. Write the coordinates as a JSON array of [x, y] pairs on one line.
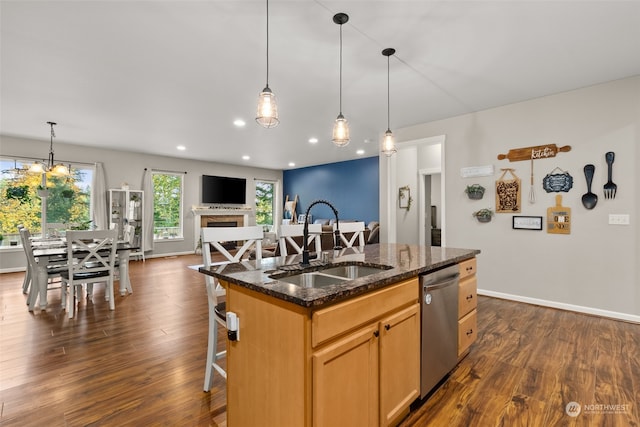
[[346, 353]]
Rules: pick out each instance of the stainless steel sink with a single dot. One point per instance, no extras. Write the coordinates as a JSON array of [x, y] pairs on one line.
[[353, 271], [313, 279], [331, 275]]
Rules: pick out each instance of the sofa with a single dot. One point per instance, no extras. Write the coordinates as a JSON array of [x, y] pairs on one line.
[[371, 231]]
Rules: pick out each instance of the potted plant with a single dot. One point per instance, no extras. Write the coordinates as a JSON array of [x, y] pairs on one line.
[[474, 191], [42, 191], [19, 193], [67, 193], [483, 215]]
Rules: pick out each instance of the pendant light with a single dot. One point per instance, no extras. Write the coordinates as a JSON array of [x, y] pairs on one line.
[[267, 114], [341, 127], [51, 167], [388, 143]]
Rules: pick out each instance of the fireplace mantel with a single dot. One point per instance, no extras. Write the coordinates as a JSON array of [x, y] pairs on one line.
[[220, 210]]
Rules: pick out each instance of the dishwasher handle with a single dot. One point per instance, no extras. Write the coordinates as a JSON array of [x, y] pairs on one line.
[[441, 284]]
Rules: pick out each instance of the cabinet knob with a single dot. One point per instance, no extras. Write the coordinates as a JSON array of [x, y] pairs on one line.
[[376, 333], [387, 326]]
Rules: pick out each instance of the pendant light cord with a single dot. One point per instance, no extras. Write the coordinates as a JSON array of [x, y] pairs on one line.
[[388, 98], [340, 69], [267, 43], [53, 134]]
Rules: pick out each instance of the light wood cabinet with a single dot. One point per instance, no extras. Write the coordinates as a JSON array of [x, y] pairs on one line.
[[353, 363], [345, 381], [467, 306], [399, 363]]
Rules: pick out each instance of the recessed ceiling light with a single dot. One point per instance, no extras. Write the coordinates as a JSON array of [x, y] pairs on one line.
[[239, 123], [313, 140], [367, 140], [245, 157], [181, 147], [291, 164], [360, 152]]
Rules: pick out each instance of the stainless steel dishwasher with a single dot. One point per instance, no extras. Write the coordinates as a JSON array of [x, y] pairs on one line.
[[439, 329]]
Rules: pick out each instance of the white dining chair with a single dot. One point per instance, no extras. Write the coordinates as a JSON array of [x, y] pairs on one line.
[[216, 237], [288, 232], [128, 235], [350, 232], [26, 283], [91, 259], [40, 270]]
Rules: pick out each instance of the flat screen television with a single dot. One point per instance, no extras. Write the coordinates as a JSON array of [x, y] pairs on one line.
[[221, 189]]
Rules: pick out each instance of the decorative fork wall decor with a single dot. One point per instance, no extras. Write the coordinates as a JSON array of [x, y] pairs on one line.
[[610, 188]]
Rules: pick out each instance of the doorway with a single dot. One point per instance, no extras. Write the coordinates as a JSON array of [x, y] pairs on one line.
[[411, 165]]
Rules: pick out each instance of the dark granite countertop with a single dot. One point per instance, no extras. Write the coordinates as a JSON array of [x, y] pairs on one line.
[[406, 261]]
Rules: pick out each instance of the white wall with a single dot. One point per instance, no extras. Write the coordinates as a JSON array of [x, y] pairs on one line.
[[121, 166], [597, 265]]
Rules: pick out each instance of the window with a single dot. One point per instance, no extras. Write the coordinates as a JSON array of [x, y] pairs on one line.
[[167, 205], [68, 198], [265, 192]]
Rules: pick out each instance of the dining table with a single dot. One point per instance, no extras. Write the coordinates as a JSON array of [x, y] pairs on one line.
[[53, 251]]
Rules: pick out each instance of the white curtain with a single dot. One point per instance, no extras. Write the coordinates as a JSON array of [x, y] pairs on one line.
[[99, 199], [147, 220]]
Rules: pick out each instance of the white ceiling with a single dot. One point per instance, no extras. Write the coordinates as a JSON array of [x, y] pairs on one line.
[[149, 75]]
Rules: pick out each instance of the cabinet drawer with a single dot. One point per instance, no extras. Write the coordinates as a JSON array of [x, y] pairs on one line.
[[467, 331], [467, 268], [467, 295], [343, 317]]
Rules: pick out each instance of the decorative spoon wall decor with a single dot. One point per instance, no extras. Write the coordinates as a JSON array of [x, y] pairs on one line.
[[589, 199]]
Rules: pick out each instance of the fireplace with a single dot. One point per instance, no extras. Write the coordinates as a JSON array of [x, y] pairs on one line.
[[223, 221], [206, 216]]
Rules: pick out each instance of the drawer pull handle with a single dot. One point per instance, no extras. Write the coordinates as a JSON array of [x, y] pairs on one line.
[[376, 334], [469, 332], [469, 297], [387, 326], [469, 268]]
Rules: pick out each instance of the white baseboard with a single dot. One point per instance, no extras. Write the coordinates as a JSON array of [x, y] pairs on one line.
[[12, 270], [168, 254], [563, 306]]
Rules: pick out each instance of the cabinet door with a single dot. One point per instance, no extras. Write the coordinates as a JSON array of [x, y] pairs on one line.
[[467, 296], [467, 331], [399, 363], [345, 381]]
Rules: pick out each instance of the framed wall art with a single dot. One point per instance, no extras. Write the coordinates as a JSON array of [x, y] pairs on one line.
[[404, 197]]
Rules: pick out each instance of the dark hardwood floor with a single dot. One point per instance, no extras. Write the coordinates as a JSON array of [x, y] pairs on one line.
[[143, 364]]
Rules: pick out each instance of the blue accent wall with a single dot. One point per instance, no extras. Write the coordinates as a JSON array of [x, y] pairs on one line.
[[351, 186]]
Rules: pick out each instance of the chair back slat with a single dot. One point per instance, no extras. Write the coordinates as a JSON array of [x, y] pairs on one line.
[[357, 228], [217, 236], [289, 231], [97, 249]]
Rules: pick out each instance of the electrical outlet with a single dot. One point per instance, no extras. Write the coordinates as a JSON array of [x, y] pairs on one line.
[[618, 219]]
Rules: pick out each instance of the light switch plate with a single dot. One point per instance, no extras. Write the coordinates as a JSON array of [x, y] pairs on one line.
[[618, 219]]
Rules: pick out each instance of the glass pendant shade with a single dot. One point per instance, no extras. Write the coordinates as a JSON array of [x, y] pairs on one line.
[[59, 170], [341, 131], [267, 114], [37, 167], [388, 143]]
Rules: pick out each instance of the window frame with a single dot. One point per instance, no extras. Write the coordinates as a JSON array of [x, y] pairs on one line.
[[180, 236], [22, 163], [274, 203]]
